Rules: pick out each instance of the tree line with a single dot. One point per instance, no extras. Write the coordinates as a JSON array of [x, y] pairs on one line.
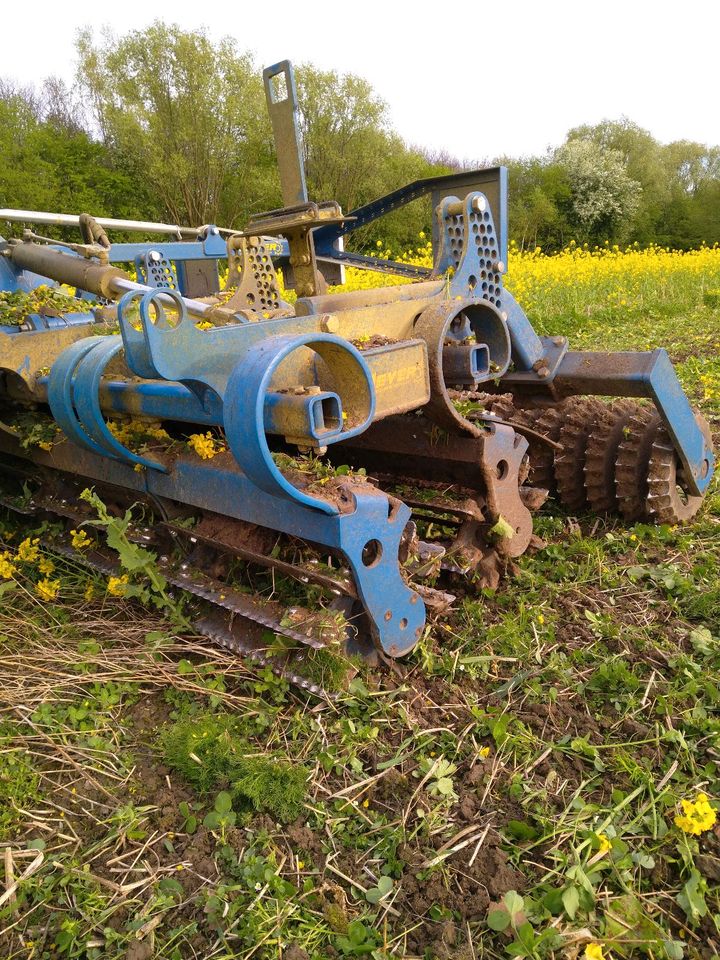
[[168, 124]]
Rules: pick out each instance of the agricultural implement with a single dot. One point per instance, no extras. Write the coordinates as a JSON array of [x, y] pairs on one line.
[[378, 448]]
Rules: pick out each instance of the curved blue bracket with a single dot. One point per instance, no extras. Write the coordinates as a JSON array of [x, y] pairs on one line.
[[244, 406], [137, 352], [60, 392], [86, 398], [73, 396]]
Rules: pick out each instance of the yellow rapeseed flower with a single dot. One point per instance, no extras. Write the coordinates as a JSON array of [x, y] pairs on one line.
[[89, 592], [46, 566], [205, 445], [605, 844], [697, 816], [28, 550], [116, 586], [594, 951], [7, 569], [47, 589], [80, 540]]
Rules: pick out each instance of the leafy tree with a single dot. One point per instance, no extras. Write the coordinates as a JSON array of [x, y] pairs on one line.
[[603, 197], [50, 163], [187, 115]]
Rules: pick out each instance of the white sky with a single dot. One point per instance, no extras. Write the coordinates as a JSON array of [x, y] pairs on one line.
[[474, 78]]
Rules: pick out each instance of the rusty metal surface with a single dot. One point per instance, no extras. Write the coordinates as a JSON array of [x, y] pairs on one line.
[[252, 273], [282, 106], [451, 324], [669, 499], [29, 354], [228, 542]]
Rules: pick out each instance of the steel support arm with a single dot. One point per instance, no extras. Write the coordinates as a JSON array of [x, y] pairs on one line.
[[643, 374]]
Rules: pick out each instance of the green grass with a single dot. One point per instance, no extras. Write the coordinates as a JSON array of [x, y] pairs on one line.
[[510, 791]]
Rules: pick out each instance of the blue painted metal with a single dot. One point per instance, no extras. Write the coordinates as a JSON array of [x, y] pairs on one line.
[[366, 534], [651, 375], [300, 377], [494, 180], [74, 399]]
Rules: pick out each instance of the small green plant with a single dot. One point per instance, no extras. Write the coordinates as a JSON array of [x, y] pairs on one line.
[[141, 564], [440, 782], [212, 751], [222, 816]]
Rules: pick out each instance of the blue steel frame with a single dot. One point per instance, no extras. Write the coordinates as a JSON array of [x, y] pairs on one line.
[[540, 364]]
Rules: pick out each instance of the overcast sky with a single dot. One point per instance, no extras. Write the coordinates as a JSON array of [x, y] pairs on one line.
[[476, 79]]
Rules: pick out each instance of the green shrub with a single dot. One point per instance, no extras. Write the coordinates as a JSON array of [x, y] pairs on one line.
[[211, 751]]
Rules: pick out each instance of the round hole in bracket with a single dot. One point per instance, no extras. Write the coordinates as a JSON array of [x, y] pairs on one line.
[[502, 469], [388, 615], [371, 553], [403, 623], [164, 316]]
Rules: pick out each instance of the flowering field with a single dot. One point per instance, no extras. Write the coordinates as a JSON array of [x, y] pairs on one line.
[[538, 779], [608, 298]]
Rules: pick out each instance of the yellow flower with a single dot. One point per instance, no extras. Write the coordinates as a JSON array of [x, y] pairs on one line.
[[540, 619], [205, 445], [46, 566], [116, 586], [89, 592], [594, 951], [47, 589], [80, 540], [7, 570], [484, 752], [300, 864], [366, 803], [28, 550], [697, 816], [605, 844], [204, 325]]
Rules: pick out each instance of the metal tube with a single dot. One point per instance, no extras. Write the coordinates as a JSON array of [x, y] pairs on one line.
[[100, 279], [121, 285], [72, 220]]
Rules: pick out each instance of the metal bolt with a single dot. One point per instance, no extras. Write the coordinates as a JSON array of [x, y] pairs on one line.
[[479, 203], [499, 266], [543, 372], [154, 256], [558, 341], [330, 324]]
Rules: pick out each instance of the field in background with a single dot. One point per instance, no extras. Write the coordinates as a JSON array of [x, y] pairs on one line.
[[511, 789]]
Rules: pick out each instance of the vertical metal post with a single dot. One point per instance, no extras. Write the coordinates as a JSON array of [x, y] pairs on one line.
[[282, 105]]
